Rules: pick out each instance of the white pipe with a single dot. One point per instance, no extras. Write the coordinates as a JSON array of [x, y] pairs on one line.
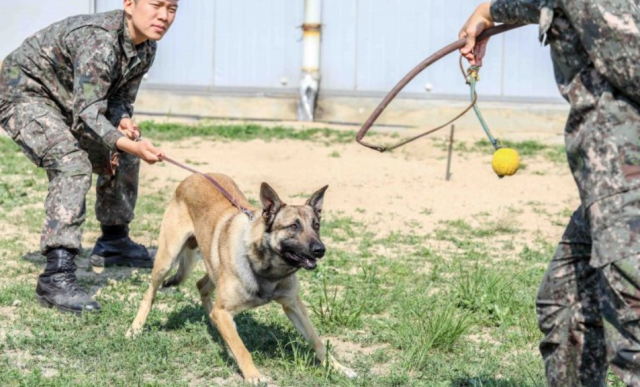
[[311, 35], [311, 59], [310, 80]]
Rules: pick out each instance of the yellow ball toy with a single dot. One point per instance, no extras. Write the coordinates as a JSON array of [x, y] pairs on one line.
[[505, 162]]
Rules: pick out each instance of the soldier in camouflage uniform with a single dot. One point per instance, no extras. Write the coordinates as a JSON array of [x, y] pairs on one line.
[[589, 301], [66, 99]]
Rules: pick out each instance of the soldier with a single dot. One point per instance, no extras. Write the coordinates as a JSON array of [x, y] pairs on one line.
[[589, 301], [66, 98]]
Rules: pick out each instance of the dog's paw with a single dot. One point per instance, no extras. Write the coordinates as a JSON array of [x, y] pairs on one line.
[[346, 371], [255, 379], [335, 364], [131, 333]]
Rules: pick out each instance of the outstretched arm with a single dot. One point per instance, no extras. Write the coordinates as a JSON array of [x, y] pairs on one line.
[[487, 14]]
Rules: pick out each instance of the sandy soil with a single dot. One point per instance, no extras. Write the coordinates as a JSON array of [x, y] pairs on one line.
[[395, 191]]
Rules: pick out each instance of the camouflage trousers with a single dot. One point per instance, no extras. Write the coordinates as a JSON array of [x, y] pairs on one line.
[[590, 315], [44, 136]]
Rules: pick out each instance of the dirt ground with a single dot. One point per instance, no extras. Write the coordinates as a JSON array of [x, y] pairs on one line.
[[397, 191]]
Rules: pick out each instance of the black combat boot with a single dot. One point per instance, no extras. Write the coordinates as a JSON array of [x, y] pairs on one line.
[[115, 248], [57, 286]]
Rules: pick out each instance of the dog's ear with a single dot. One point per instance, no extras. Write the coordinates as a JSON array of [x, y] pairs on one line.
[[271, 203], [317, 199]]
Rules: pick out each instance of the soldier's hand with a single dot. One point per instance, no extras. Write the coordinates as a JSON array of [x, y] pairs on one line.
[[142, 149], [129, 128], [479, 21], [147, 152]]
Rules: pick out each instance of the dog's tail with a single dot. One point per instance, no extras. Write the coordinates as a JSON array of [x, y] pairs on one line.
[[186, 262]]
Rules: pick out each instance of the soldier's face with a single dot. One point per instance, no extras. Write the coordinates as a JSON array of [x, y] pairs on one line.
[[151, 19]]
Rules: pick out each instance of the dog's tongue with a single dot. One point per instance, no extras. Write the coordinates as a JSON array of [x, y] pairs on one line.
[[309, 264]]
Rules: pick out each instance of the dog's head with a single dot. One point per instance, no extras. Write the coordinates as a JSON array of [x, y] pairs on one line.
[[293, 232]]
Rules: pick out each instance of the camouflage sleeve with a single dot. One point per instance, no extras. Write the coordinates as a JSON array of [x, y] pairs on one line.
[[516, 11], [94, 69], [121, 103], [610, 33]]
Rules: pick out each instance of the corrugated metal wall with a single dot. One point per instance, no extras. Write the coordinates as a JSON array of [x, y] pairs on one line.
[[258, 43], [21, 18], [367, 46]]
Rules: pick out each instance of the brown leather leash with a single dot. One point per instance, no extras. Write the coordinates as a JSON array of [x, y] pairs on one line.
[[223, 191], [412, 74], [113, 164]]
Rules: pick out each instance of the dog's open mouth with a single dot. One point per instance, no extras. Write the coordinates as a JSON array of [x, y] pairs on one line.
[[300, 260]]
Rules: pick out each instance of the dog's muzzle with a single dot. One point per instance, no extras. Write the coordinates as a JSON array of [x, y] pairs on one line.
[[300, 260]]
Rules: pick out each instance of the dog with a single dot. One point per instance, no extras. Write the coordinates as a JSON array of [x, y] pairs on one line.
[[249, 263]]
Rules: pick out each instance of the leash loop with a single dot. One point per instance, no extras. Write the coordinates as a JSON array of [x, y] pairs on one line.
[[411, 75]]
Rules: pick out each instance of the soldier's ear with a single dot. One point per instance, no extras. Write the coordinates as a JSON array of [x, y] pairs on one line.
[[128, 6], [317, 200], [271, 203]]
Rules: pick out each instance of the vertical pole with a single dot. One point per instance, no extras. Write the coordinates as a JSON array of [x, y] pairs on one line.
[[310, 79], [448, 175]]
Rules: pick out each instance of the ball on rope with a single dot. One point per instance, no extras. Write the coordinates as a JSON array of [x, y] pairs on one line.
[[505, 162]]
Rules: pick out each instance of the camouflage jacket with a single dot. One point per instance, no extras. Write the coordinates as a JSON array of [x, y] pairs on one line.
[[85, 66], [595, 49], [603, 33]]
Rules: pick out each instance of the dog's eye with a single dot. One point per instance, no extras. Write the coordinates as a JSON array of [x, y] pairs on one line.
[[316, 226], [294, 227]]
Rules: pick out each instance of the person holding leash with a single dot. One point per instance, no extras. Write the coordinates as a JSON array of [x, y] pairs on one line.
[[589, 301], [66, 98]]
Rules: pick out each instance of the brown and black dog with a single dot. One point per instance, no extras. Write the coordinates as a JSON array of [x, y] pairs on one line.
[[249, 262]]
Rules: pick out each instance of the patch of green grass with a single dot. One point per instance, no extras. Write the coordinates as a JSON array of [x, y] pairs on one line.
[[334, 311], [255, 202], [192, 162], [419, 332], [487, 292], [541, 253], [426, 211], [463, 235], [244, 132]]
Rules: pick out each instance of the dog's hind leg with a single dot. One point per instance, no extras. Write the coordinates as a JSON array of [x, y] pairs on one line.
[[206, 287], [175, 231], [297, 313]]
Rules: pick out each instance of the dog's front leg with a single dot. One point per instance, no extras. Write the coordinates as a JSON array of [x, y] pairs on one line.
[[297, 313], [227, 328]]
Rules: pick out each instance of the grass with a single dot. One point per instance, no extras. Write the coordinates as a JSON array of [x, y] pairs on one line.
[[338, 312], [244, 132], [423, 330], [445, 309]]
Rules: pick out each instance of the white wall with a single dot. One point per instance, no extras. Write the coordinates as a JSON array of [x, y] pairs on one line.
[[22, 18], [367, 46]]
